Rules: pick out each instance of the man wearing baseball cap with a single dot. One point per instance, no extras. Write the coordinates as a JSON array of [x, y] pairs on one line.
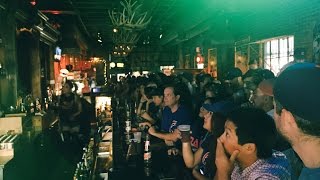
[[297, 113]]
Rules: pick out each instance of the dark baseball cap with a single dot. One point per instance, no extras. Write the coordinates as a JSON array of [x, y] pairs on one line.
[[156, 92], [233, 73], [223, 107], [297, 88]]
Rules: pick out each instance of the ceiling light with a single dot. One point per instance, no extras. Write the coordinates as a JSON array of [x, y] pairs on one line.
[[112, 65], [99, 40], [120, 65], [115, 30], [160, 36]]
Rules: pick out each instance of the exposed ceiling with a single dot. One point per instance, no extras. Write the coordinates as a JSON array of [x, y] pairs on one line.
[[92, 15], [175, 19]]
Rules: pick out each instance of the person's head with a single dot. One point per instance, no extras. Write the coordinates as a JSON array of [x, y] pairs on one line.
[[148, 91], [262, 97], [186, 77], [251, 80], [253, 64], [216, 115], [209, 93], [171, 96], [151, 84], [157, 96], [202, 110], [250, 131], [296, 96], [267, 74], [233, 80], [67, 87], [205, 79]]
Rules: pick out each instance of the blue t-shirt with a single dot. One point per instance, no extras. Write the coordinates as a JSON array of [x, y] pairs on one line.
[[170, 121], [205, 157], [197, 134], [310, 174]]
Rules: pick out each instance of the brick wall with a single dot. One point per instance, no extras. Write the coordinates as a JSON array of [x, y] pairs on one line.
[[288, 18]]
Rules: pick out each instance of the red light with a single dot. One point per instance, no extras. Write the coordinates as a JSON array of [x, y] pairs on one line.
[[55, 12], [33, 3]]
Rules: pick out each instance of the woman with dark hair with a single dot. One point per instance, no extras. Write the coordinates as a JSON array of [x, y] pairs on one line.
[[202, 161]]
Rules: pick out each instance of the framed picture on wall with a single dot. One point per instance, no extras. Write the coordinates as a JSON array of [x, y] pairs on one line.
[[212, 62]]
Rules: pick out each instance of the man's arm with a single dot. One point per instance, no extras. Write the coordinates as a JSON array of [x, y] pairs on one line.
[[165, 136], [147, 117]]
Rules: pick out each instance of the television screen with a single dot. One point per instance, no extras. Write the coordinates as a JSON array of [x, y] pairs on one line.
[[57, 55]]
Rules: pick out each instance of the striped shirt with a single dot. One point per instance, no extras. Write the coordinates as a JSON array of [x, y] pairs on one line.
[[276, 167]]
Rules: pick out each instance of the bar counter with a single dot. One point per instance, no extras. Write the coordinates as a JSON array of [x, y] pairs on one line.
[[127, 162]]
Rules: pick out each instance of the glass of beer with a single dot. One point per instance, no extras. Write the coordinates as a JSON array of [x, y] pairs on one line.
[[185, 132]]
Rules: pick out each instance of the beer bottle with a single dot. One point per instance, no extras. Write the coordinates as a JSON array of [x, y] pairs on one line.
[[147, 156], [147, 151]]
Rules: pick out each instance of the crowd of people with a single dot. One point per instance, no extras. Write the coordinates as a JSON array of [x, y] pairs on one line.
[[247, 126]]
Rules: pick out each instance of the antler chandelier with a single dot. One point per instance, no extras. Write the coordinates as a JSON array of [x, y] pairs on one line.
[[128, 24]]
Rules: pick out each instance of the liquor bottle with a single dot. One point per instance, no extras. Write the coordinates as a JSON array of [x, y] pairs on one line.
[[147, 155], [147, 151], [128, 111]]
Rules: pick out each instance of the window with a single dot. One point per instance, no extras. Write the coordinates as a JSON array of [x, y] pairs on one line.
[[277, 53]]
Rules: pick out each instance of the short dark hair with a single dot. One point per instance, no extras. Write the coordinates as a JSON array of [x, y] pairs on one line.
[[253, 125], [175, 89], [307, 127]]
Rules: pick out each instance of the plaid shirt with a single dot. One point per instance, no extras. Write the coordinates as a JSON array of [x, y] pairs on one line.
[[276, 167]]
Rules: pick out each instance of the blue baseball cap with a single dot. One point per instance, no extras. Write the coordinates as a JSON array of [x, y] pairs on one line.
[[223, 107]]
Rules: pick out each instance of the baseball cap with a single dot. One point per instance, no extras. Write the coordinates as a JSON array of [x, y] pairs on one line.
[[223, 107], [297, 88], [156, 92], [233, 73]]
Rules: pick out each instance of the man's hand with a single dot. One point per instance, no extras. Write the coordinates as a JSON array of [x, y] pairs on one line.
[[224, 164], [143, 124]]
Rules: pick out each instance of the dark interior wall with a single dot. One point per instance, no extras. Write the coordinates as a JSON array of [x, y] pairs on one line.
[[45, 66], [25, 44], [8, 83]]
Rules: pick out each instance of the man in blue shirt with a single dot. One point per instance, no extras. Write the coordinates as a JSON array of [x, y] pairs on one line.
[[173, 115], [297, 101]]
